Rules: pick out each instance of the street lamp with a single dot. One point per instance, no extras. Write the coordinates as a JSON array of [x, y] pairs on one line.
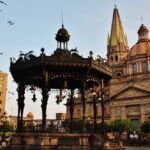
[[32, 89], [102, 105], [102, 94], [71, 96], [98, 94]]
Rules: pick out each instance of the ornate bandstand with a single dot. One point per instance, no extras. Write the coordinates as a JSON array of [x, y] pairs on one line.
[[64, 69]]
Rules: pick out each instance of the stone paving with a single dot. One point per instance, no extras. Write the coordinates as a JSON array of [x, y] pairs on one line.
[[138, 148]]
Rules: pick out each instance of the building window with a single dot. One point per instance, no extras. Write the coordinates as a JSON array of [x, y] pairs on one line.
[[78, 112], [134, 67], [118, 74], [144, 67], [136, 122], [116, 58]]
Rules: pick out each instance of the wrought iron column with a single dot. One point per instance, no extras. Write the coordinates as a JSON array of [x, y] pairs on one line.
[[44, 106], [102, 106], [44, 92], [21, 91], [102, 100], [95, 111], [83, 98], [71, 109]]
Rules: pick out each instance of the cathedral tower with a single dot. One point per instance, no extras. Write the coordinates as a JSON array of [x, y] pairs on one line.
[[117, 46]]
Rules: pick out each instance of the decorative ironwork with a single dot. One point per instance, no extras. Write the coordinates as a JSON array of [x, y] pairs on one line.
[[34, 97], [99, 95], [64, 69]]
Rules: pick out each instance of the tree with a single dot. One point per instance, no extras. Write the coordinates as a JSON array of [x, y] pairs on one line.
[[146, 127], [6, 127], [77, 125], [120, 125]]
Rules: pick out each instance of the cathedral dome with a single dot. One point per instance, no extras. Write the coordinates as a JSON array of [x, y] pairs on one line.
[[62, 35], [143, 45], [140, 48]]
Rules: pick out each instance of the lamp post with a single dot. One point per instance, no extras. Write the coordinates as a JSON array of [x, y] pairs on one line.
[[95, 90], [71, 96], [102, 106], [98, 93]]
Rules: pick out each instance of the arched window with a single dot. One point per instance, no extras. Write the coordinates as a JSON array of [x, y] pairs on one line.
[[116, 58], [78, 112], [118, 74], [144, 67], [134, 68]]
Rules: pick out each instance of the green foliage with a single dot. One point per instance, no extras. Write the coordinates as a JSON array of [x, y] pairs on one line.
[[77, 125], [89, 127], [103, 128], [121, 125], [51, 127], [6, 127], [100, 128], [5, 136], [66, 124], [146, 127]]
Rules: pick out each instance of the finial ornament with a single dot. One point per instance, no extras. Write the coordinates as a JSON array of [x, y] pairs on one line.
[[115, 5], [142, 19], [62, 18]]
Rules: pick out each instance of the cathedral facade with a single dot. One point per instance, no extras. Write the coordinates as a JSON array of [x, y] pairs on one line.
[[129, 87], [129, 90]]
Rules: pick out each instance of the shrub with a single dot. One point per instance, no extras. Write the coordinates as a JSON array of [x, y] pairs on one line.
[[146, 127], [6, 127], [120, 125]]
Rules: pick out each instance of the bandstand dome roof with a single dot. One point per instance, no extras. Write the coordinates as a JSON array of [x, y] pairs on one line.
[[62, 35], [142, 47]]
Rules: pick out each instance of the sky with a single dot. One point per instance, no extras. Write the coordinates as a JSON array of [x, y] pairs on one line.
[[37, 22]]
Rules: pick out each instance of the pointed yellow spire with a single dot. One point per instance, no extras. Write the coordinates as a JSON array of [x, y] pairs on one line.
[[117, 34], [117, 46]]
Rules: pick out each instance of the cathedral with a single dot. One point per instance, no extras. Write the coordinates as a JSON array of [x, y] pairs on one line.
[[129, 91], [129, 87]]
